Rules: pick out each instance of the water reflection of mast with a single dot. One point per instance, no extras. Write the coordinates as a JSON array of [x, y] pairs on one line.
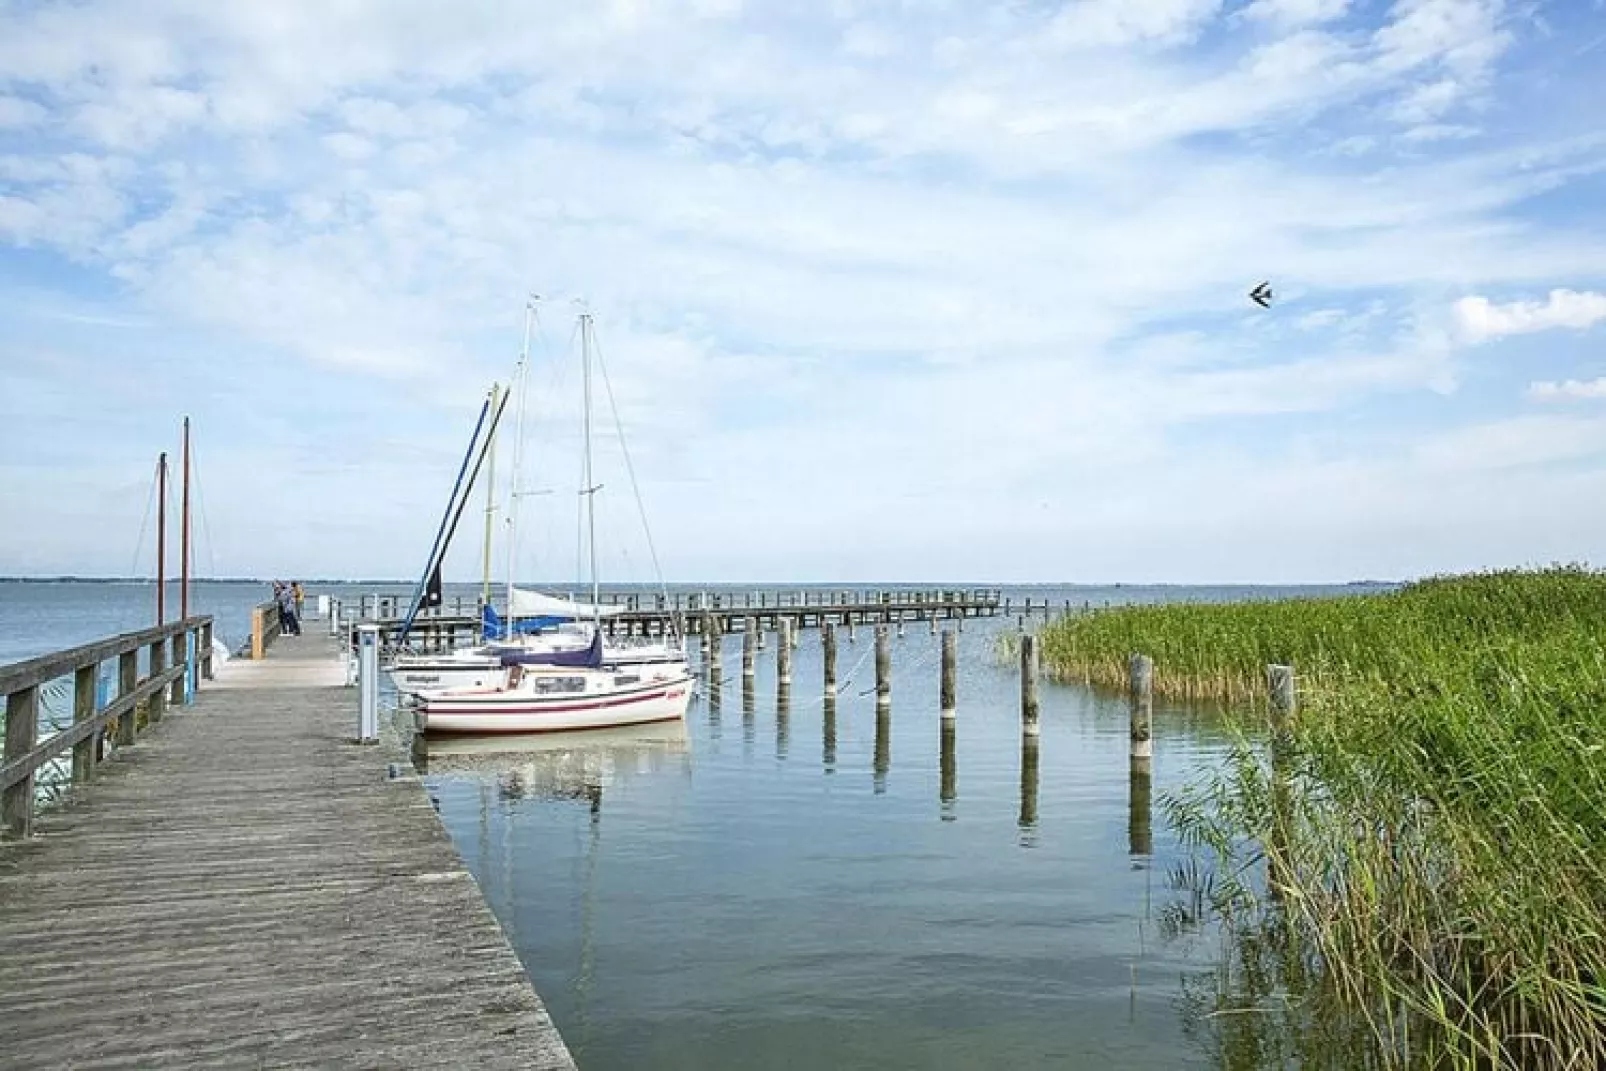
[[513, 791], [588, 955], [485, 832]]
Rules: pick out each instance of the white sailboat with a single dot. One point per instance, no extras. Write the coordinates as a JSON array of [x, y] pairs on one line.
[[564, 637], [540, 628], [567, 690]]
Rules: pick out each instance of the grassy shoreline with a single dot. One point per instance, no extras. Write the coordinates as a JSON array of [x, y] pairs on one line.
[[1437, 823]]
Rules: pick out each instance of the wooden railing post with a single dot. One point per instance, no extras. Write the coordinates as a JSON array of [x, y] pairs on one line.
[[22, 729], [158, 660], [85, 753], [206, 650], [259, 627], [127, 681], [178, 694]]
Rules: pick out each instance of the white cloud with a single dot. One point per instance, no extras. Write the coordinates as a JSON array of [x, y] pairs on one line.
[[1321, 318], [1515, 442], [1296, 13], [1428, 101], [349, 146], [20, 220], [1480, 320], [18, 112], [1567, 390], [1101, 23], [1463, 37], [1452, 43], [1430, 132]]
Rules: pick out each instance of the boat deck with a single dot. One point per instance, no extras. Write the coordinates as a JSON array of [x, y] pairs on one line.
[[245, 888]]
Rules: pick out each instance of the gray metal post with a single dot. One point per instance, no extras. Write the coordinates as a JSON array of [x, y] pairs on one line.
[[368, 682]]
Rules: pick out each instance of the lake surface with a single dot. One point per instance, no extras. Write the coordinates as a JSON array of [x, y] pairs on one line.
[[812, 886]]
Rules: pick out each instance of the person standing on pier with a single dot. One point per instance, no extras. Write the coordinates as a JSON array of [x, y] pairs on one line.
[[289, 622], [301, 597]]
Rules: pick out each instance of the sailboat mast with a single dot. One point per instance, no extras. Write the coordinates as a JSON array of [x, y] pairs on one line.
[[522, 378], [161, 538], [184, 535], [591, 490], [490, 505]]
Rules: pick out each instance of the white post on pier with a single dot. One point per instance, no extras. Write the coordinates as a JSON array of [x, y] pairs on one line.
[[368, 684]]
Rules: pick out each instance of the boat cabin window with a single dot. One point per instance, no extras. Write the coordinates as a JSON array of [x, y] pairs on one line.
[[629, 679], [553, 685]]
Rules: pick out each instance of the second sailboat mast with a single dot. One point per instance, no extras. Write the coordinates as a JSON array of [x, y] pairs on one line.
[[521, 379], [490, 505], [590, 488]]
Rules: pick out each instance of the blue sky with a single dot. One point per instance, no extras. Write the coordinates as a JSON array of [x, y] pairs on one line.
[[887, 290]]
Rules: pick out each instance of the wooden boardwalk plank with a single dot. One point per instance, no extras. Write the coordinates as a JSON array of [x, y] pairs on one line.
[[245, 888]]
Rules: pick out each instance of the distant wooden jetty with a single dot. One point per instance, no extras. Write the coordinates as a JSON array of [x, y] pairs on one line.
[[238, 884], [689, 613]]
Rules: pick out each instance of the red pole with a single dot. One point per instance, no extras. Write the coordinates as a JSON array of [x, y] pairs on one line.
[[161, 538], [184, 535]]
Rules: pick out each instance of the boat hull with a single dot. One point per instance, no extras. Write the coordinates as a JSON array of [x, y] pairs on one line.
[[516, 712], [442, 675], [449, 673]]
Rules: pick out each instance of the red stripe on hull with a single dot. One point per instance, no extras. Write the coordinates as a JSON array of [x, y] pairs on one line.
[[544, 708], [561, 729]]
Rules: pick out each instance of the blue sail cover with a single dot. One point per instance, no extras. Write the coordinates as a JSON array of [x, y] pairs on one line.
[[498, 629], [590, 657]]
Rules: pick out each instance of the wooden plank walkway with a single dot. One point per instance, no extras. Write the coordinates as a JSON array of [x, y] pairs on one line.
[[245, 888]]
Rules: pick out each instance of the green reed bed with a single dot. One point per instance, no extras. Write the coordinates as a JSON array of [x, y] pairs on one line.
[[1435, 819]]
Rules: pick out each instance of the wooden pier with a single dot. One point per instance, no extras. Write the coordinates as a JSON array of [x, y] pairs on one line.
[[242, 886], [689, 613]]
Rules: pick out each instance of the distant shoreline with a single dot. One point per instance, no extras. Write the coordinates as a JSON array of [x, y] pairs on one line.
[[755, 585]]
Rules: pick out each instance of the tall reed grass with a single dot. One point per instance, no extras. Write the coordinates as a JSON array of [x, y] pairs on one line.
[[1435, 823]]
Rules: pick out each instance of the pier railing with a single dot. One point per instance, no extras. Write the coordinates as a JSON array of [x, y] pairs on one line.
[[166, 680], [265, 627]]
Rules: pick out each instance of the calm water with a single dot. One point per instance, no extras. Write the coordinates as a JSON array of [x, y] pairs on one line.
[[803, 888], [812, 887]]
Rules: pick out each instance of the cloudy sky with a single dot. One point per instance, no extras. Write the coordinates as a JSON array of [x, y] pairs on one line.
[[885, 289]]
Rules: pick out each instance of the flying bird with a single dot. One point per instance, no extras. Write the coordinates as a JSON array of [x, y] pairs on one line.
[[1261, 295]]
